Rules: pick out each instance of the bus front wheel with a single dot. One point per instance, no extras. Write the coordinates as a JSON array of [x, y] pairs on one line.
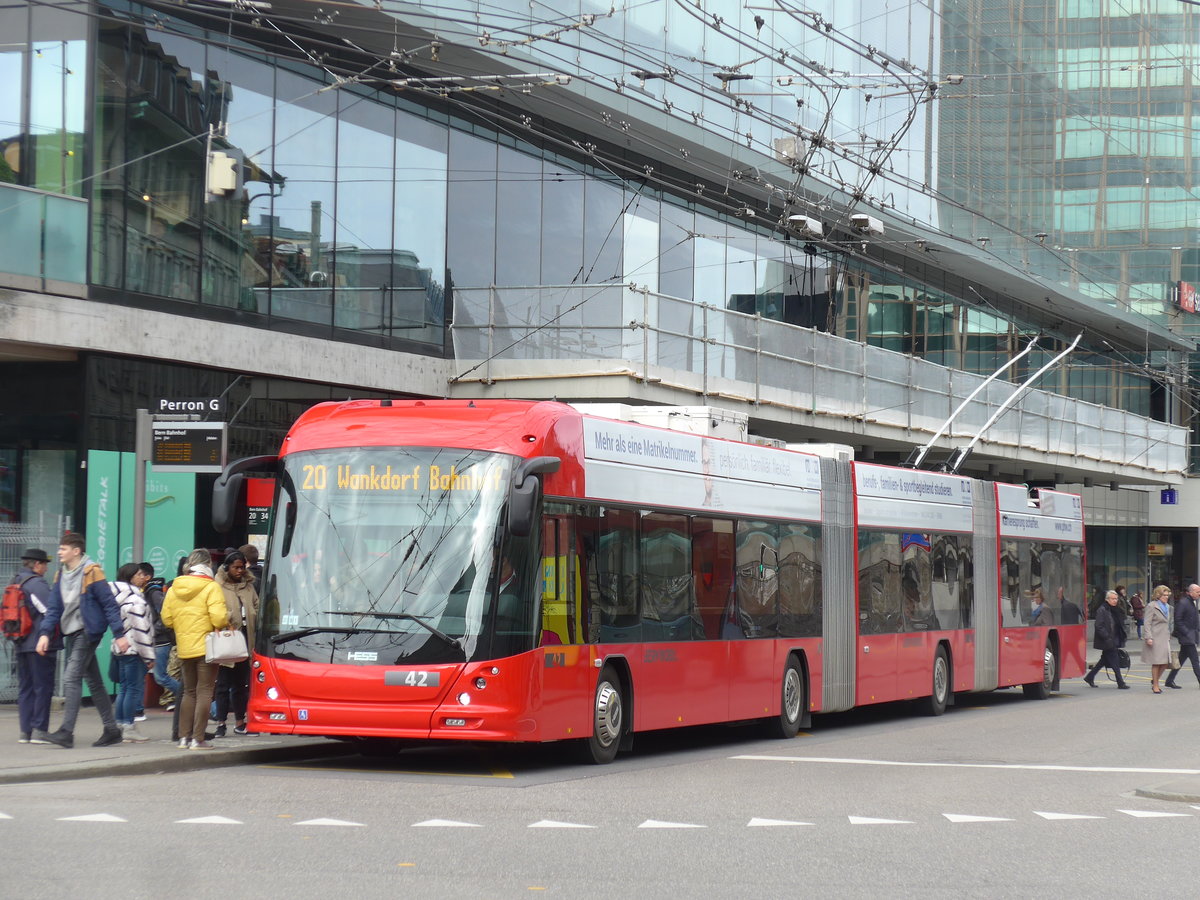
[[608, 719]]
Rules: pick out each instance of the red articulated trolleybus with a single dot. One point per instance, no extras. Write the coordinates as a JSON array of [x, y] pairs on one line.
[[525, 571]]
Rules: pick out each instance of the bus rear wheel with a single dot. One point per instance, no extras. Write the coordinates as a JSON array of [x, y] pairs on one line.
[[935, 704], [608, 719], [1040, 690], [791, 702]]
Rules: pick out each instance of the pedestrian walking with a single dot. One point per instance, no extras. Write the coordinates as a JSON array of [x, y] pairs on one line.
[[1156, 644], [1137, 610], [1187, 632], [194, 606], [82, 605], [35, 669], [1110, 636]]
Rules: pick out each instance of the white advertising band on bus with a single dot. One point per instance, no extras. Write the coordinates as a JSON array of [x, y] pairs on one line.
[[652, 466], [1054, 516], [909, 500]]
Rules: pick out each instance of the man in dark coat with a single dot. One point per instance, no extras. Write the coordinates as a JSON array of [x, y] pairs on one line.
[[1110, 634], [1187, 630]]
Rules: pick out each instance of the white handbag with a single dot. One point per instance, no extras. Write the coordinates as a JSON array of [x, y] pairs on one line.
[[225, 647]]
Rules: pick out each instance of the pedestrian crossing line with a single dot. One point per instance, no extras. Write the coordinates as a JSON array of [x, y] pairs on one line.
[[1025, 767], [94, 817], [334, 823], [863, 820], [961, 819], [772, 823], [209, 820], [753, 822], [444, 823]]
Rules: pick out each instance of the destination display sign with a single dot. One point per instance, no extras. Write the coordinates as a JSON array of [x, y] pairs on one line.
[[418, 478]]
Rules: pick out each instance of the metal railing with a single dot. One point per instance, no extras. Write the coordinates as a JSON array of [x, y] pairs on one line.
[[43, 239], [712, 351]]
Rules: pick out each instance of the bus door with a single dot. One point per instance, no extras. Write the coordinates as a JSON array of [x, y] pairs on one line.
[[879, 627], [568, 676], [562, 593]]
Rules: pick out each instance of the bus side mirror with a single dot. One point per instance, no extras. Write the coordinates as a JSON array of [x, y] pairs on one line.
[[227, 489], [526, 491], [227, 495]]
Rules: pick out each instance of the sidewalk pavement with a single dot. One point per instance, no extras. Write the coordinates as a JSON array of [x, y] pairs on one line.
[[21, 763]]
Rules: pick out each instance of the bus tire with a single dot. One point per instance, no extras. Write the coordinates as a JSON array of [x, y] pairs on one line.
[[1040, 690], [791, 702], [608, 719], [939, 696]]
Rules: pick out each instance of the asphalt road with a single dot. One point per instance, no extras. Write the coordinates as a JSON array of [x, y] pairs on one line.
[[1001, 797]]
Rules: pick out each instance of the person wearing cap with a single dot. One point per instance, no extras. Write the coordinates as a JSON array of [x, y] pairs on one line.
[[35, 668]]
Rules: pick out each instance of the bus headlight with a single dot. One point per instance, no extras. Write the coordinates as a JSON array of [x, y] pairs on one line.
[[464, 699], [272, 693], [480, 683]]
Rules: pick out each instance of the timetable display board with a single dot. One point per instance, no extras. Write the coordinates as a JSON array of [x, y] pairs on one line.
[[188, 446]]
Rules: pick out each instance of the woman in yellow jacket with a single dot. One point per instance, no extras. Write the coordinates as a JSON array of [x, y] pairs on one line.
[[194, 606]]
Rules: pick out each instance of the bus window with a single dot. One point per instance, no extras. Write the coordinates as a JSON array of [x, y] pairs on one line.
[[516, 601], [800, 581], [615, 563], [712, 567], [666, 579], [757, 579], [879, 583]]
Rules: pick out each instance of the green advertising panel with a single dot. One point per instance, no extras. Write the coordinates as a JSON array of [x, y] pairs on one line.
[[170, 518]]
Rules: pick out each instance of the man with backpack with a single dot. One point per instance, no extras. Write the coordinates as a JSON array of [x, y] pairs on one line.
[[35, 669]]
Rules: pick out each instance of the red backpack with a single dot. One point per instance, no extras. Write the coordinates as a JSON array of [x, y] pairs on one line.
[[15, 616]]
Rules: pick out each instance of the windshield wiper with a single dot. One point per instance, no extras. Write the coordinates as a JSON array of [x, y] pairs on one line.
[[315, 629], [453, 642]]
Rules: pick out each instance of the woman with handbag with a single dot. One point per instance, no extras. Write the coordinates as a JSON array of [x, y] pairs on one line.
[[241, 600], [1156, 643], [195, 606], [1110, 637]]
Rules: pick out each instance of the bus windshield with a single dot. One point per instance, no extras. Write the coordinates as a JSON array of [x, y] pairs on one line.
[[384, 555]]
